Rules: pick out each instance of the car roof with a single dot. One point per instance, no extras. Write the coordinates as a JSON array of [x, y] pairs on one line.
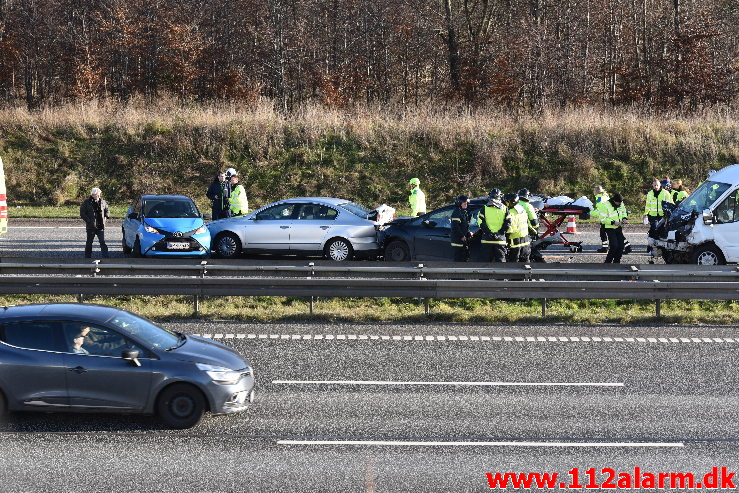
[[88, 312], [325, 200], [729, 174], [167, 197]]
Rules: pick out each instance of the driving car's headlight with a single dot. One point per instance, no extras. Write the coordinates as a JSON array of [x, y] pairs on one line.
[[149, 229], [220, 374], [202, 229]]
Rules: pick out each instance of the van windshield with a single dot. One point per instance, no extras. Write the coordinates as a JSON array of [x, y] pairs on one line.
[[703, 198]]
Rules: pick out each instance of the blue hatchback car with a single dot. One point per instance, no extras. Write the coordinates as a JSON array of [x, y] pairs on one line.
[[165, 225]]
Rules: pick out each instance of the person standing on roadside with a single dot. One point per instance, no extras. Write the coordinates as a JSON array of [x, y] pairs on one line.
[[494, 222], [653, 209], [216, 193], [417, 199], [519, 242], [239, 205], [460, 233], [678, 191], [94, 211], [613, 216]]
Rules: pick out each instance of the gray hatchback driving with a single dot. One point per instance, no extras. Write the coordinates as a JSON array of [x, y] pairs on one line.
[[95, 358]]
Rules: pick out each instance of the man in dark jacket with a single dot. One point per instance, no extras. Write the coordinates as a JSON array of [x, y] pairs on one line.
[[494, 222], [94, 211], [460, 229], [218, 195]]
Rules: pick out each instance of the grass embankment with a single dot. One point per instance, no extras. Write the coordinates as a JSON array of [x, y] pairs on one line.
[[279, 309], [54, 157]]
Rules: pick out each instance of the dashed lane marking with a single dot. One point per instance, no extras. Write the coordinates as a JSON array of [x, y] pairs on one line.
[[447, 384], [464, 338], [398, 443]]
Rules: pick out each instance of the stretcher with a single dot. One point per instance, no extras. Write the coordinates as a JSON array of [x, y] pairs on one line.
[[552, 217]]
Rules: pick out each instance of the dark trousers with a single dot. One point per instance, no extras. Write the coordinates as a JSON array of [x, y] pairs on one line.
[[91, 234], [460, 253], [519, 254], [616, 241], [603, 235], [493, 253]]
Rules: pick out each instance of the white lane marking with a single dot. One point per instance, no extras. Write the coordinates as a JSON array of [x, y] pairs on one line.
[[443, 338], [398, 443], [451, 384]]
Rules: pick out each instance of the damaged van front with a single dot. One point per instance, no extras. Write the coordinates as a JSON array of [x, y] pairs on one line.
[[704, 228]]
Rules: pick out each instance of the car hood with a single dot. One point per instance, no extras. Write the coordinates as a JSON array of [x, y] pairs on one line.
[[400, 220], [174, 224], [202, 350]]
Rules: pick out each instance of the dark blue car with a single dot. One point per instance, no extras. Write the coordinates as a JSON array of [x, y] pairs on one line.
[[427, 237]]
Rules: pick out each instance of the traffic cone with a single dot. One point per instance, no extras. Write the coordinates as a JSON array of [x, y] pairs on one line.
[[571, 226]]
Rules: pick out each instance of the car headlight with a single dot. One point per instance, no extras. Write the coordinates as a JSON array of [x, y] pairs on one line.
[[220, 374], [202, 229], [149, 229]]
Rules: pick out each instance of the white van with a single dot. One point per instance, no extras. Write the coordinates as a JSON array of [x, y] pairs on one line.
[[704, 228]]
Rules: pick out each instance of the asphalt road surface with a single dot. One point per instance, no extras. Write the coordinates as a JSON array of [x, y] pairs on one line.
[[371, 408], [66, 238]]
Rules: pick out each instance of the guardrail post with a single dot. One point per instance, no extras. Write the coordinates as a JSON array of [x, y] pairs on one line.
[[426, 308], [196, 297], [543, 307], [312, 266], [658, 308], [420, 277]]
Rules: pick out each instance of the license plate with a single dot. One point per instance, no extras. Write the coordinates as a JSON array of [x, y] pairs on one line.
[[177, 245]]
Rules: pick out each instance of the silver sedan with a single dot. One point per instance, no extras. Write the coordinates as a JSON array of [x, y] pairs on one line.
[[335, 228]]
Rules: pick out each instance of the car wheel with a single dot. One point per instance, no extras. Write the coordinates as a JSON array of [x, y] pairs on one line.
[[137, 248], [181, 406], [227, 245], [707, 255], [339, 250], [126, 248], [397, 251]]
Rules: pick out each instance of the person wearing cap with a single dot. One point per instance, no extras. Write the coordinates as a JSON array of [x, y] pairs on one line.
[[217, 193], [519, 243], [494, 222], [416, 199], [653, 209], [613, 216], [238, 203], [460, 233], [94, 211]]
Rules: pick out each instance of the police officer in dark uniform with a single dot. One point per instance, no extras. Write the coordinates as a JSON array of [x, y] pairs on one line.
[[460, 229], [494, 221]]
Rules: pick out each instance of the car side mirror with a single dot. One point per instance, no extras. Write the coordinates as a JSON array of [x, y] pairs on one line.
[[708, 218], [429, 224], [133, 215], [131, 355]]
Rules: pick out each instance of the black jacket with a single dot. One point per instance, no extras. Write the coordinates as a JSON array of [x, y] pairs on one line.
[[94, 213], [460, 225]]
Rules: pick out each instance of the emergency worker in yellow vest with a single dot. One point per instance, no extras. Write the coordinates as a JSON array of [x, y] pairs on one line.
[[460, 229], [613, 216], [601, 197], [494, 223], [239, 205], [416, 199], [533, 219], [519, 243], [653, 209], [678, 191]]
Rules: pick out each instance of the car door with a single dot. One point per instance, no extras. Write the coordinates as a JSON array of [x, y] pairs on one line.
[[132, 223], [726, 226], [314, 222], [32, 370], [432, 241], [269, 230], [99, 377]]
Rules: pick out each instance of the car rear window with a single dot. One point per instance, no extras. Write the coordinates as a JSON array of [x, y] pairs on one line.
[[31, 335], [356, 209]]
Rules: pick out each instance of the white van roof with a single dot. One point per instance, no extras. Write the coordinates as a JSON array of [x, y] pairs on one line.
[[729, 174]]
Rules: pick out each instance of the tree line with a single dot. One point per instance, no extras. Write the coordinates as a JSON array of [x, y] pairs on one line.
[[506, 53]]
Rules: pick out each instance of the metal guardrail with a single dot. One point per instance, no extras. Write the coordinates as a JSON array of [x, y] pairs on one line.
[[330, 279]]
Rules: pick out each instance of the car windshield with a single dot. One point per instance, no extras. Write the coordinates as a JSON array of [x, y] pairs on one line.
[[356, 209], [703, 197], [170, 208], [145, 330]]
